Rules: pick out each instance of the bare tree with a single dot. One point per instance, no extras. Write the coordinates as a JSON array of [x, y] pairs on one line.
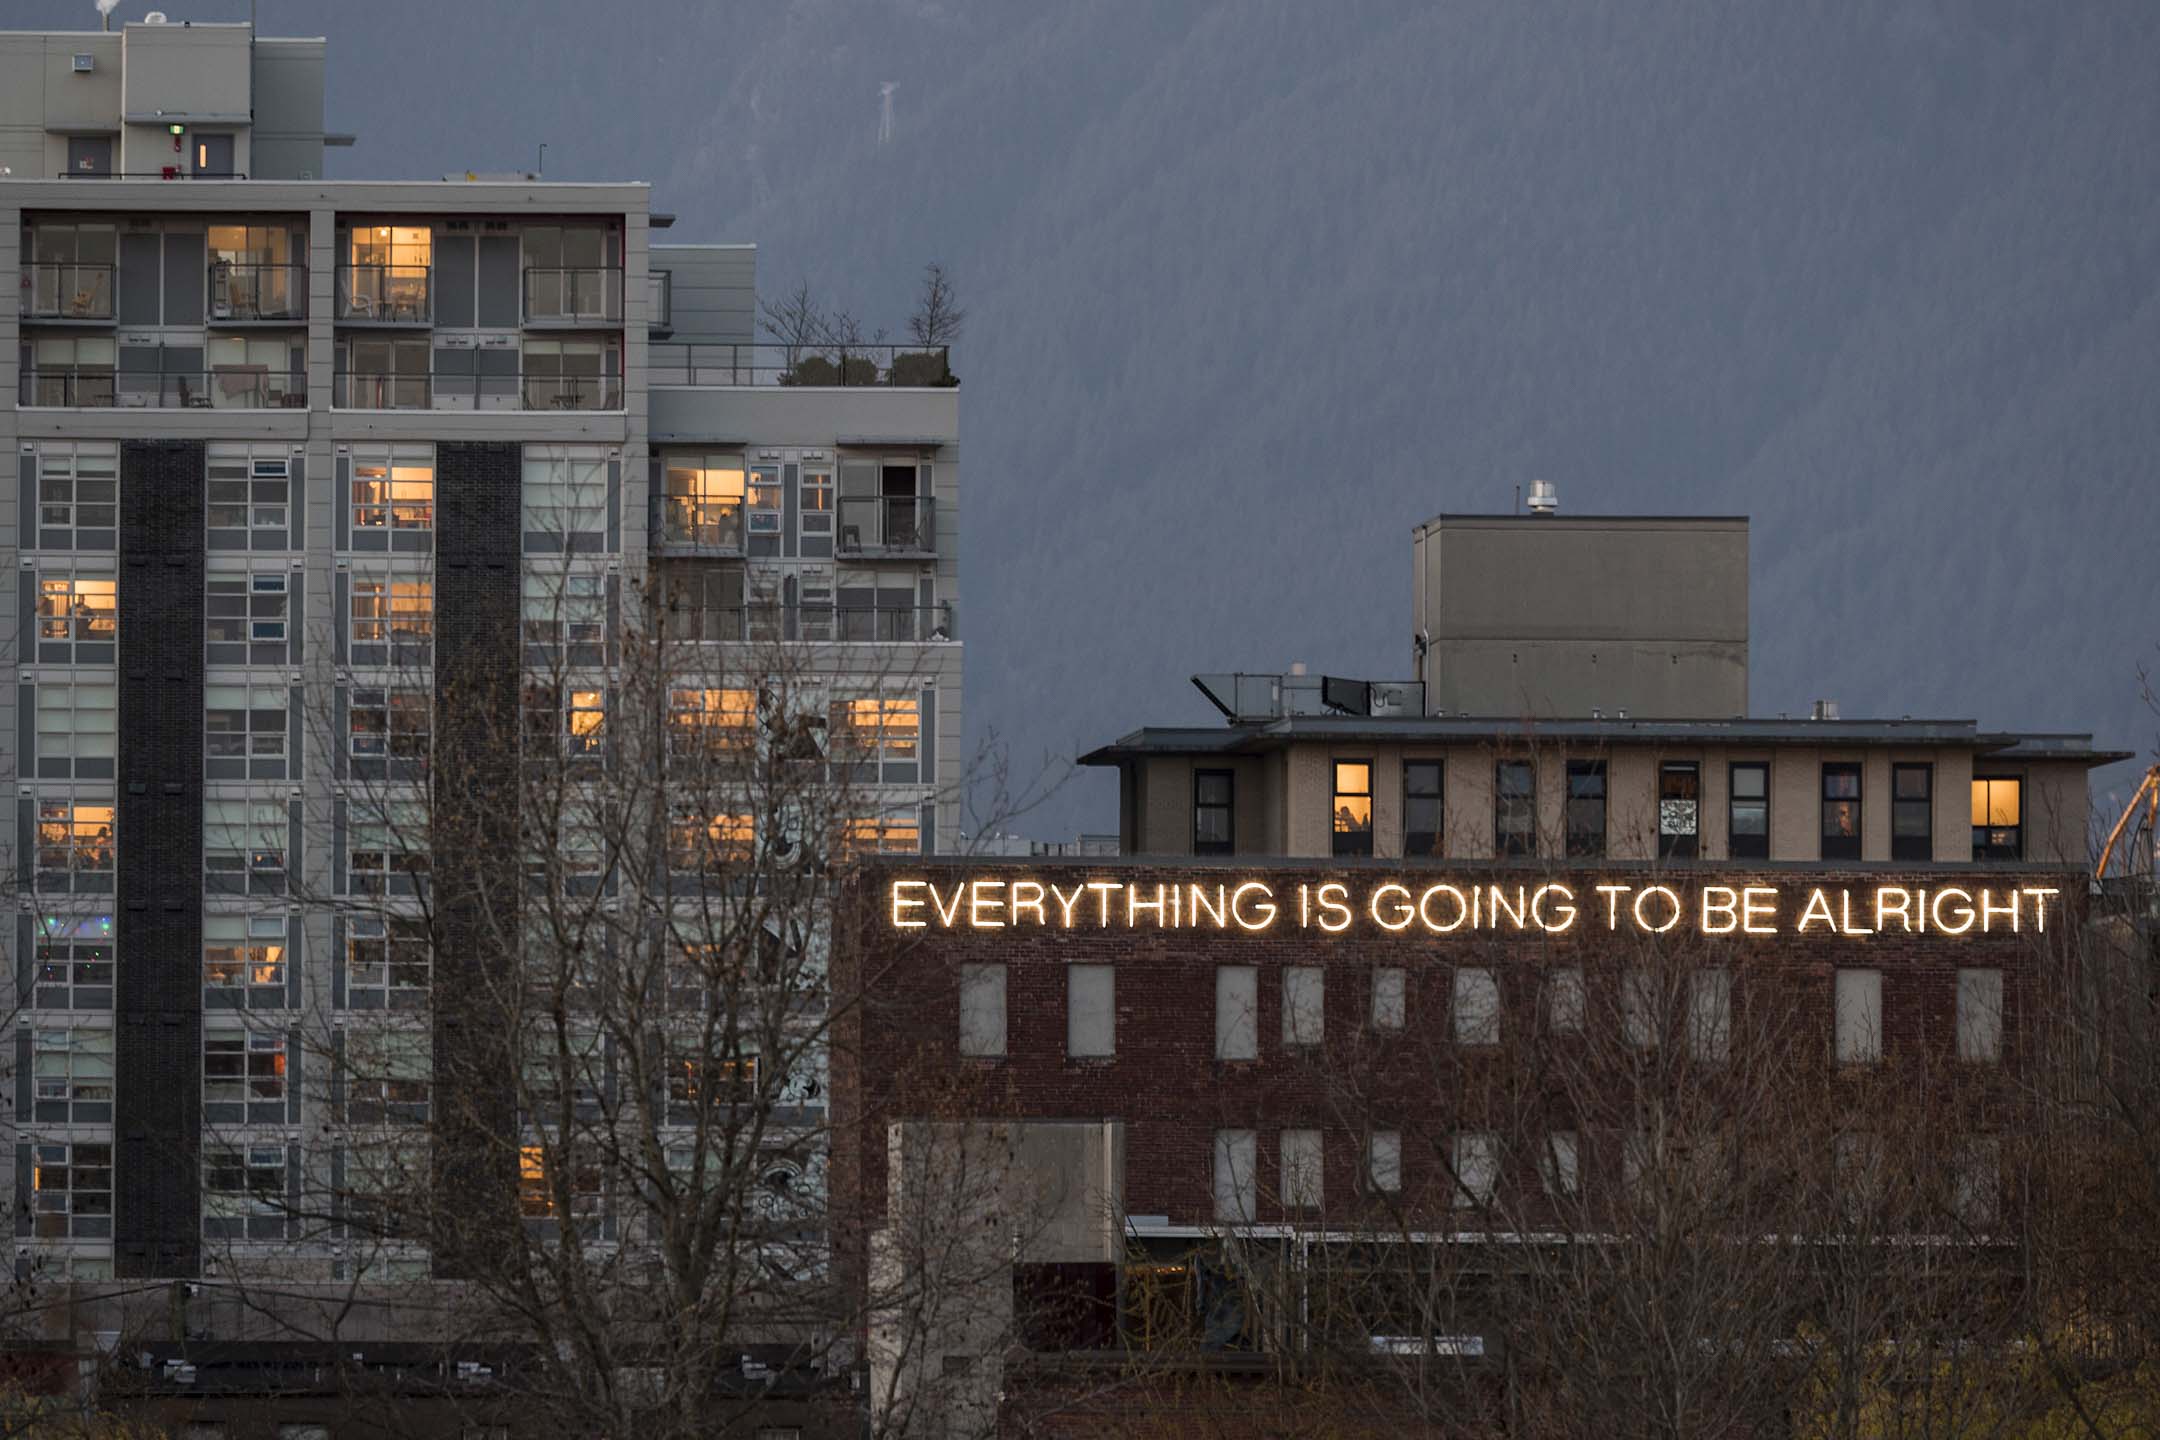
[[938, 317]]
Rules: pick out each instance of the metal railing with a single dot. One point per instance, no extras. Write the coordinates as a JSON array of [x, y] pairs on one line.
[[169, 172], [850, 624], [777, 364], [707, 524], [513, 391], [386, 294], [226, 387], [573, 294], [887, 525], [68, 290], [247, 290]]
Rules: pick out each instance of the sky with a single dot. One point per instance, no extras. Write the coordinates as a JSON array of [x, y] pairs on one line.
[[1254, 286]]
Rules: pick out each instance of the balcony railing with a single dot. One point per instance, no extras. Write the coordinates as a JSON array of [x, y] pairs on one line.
[[245, 290], [68, 290], [830, 365], [169, 172], [705, 524], [228, 387], [513, 391], [848, 624], [386, 294], [573, 295], [887, 525]]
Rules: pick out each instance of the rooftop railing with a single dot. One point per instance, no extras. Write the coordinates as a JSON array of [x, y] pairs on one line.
[[226, 387], [732, 365]]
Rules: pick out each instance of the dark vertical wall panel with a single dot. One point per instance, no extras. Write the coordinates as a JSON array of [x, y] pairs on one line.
[[157, 998], [474, 835]]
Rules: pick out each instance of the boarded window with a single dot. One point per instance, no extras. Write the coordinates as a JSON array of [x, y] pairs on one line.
[[1565, 1004], [1639, 1009], [1389, 998], [982, 1010], [1304, 1005], [1301, 1169], [1090, 1010], [1559, 1164], [1383, 1164], [1477, 1167], [1859, 1016], [1236, 1190], [1237, 1007], [1477, 1007], [1710, 1013], [1979, 1015]]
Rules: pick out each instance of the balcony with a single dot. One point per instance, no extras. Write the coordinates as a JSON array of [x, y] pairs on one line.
[[843, 624], [386, 295], [811, 365], [509, 391], [230, 387], [896, 527], [573, 295], [702, 526], [68, 290], [249, 293]]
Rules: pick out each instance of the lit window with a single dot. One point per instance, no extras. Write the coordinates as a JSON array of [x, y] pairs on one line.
[[243, 950], [1585, 808], [881, 835], [243, 1066], [244, 731], [700, 719], [1679, 809], [876, 730], [565, 722], [78, 618], [551, 1184], [1514, 808], [76, 726], [72, 1192], [1912, 812], [75, 851], [393, 490], [711, 843], [244, 846], [392, 610], [74, 962], [696, 1079], [703, 501], [1841, 812], [1352, 807], [1998, 829]]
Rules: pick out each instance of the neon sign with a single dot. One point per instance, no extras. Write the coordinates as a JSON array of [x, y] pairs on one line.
[[1452, 908]]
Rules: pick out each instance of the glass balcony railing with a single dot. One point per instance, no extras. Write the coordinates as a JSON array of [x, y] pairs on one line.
[[386, 294], [887, 525], [226, 387], [705, 524], [67, 290], [573, 295], [511, 391], [246, 291], [845, 624], [918, 366]]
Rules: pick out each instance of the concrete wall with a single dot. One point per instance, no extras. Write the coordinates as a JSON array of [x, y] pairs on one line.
[[1562, 615], [287, 138]]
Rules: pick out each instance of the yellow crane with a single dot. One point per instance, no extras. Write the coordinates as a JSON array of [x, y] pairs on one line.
[[2147, 798]]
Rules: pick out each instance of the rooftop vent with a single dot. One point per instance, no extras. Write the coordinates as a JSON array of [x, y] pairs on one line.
[[1544, 499], [1826, 709]]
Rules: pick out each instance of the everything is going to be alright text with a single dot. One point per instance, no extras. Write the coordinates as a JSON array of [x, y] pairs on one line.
[[1450, 908]]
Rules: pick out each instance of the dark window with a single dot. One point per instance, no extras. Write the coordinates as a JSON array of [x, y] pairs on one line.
[[1585, 808], [1679, 809], [1213, 811], [1421, 807], [1514, 808], [1841, 812], [90, 155], [1353, 807], [1750, 812], [1912, 812], [1998, 818]]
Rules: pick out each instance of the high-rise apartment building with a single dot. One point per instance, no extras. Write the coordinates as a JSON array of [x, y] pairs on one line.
[[298, 477]]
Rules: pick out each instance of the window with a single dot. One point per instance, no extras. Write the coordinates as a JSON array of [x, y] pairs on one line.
[[696, 1078], [252, 274], [387, 961], [72, 1070], [1304, 1005], [1979, 1015], [1214, 815], [1383, 1161], [249, 499], [565, 606], [572, 272], [387, 848], [1976, 1181], [392, 609], [1301, 1164], [75, 371], [1679, 809], [386, 374], [388, 1073], [242, 1182], [391, 721], [1998, 831], [244, 846], [1514, 808], [1090, 1010], [78, 618], [702, 720], [549, 1184], [1559, 1166], [393, 489], [1748, 811], [1237, 1190], [245, 614], [570, 723], [1710, 1014], [881, 733], [75, 847], [565, 496], [1477, 1007], [1640, 1017], [255, 372], [76, 725], [1566, 1006], [386, 273], [982, 1010], [78, 497], [1477, 1168], [1859, 1017], [710, 844], [72, 1192], [244, 731], [243, 950], [74, 962], [1237, 1012], [1353, 807], [881, 835], [1585, 809], [573, 375], [1422, 811], [1841, 812], [70, 275], [1912, 812], [1390, 1006], [702, 503], [243, 1066]]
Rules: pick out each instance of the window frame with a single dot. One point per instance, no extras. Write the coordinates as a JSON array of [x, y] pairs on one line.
[[255, 933], [68, 748], [63, 462], [1226, 808], [1679, 816], [83, 952], [79, 1084], [256, 873], [385, 512], [1580, 841], [78, 606], [262, 748], [1514, 812], [1986, 848], [1419, 843], [260, 512], [1734, 847], [379, 961], [66, 1156], [394, 598], [89, 856], [264, 600], [1349, 837], [1848, 847], [1912, 847]]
